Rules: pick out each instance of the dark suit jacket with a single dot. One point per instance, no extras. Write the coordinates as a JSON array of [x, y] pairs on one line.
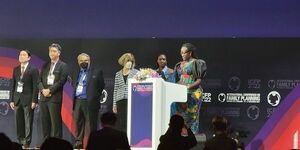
[[220, 142], [30, 90], [95, 85], [56, 90], [108, 139], [172, 141]]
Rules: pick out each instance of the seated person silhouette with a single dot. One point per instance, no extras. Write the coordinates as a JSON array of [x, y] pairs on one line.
[[5, 142], [221, 141], [173, 140], [108, 138], [53, 143]]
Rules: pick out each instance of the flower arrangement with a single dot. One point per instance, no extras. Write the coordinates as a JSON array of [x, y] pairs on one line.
[[145, 73]]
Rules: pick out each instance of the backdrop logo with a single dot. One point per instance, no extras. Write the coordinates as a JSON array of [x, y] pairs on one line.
[[4, 82], [270, 111], [4, 94], [222, 97], [206, 97], [234, 83], [231, 111], [254, 83], [271, 84], [105, 95], [274, 98], [239, 97], [4, 107], [283, 84], [253, 112]]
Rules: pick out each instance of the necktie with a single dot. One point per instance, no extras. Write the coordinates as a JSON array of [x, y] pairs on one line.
[[51, 68], [22, 70]]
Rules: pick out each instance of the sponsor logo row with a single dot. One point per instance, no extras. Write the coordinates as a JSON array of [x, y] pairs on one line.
[[234, 83], [273, 98]]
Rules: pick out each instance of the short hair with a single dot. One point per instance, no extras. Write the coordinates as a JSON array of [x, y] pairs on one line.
[[55, 45], [191, 48], [83, 54], [219, 123], [126, 57], [109, 118], [27, 51], [176, 122], [56, 143]]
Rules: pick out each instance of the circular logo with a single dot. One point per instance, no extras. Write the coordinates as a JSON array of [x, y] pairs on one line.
[[4, 107], [104, 98], [271, 84], [222, 97], [274, 98], [253, 112], [234, 83]]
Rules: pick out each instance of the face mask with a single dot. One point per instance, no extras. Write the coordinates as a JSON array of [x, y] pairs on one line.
[[128, 65], [84, 65]]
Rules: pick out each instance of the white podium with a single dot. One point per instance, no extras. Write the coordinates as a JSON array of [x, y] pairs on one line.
[[149, 104]]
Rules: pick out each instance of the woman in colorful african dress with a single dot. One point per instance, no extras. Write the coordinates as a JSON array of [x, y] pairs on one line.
[[190, 72]]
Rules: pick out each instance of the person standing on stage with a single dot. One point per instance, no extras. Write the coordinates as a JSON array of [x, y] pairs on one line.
[[88, 85], [51, 81], [24, 97], [166, 72], [190, 72], [120, 88]]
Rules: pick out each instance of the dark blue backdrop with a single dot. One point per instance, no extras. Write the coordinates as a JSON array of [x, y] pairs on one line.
[[145, 18]]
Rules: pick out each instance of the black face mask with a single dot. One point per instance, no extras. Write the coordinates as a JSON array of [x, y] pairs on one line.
[[84, 65]]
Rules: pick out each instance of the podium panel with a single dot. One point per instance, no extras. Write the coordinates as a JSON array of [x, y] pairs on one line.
[[149, 104]]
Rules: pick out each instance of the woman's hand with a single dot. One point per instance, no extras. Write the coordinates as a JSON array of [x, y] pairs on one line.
[[188, 86]]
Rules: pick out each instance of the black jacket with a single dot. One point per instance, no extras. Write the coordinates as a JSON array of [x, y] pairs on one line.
[[56, 90], [95, 85], [30, 90]]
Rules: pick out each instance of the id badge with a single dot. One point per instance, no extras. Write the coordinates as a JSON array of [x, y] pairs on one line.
[[50, 79], [79, 89], [20, 87]]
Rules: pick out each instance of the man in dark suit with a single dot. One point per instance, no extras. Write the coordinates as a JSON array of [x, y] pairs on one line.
[[88, 85], [221, 140], [51, 81], [24, 97], [108, 138]]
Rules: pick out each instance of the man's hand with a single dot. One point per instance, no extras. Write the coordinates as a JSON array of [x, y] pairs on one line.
[[12, 105], [115, 110], [33, 105], [46, 92]]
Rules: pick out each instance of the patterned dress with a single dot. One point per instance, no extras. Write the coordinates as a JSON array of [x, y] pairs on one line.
[[188, 73]]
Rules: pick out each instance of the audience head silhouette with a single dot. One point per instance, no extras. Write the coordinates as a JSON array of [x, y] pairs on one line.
[[219, 123], [5, 142], [108, 119], [176, 123], [56, 143]]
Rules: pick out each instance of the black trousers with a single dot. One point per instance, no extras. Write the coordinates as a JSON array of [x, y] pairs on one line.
[[24, 121], [51, 119], [122, 115], [85, 118]]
